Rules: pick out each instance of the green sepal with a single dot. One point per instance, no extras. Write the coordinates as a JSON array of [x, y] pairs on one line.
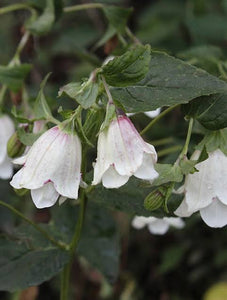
[[110, 115], [41, 108], [214, 140], [27, 138]]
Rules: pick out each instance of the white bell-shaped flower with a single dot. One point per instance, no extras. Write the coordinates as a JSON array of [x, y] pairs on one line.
[[7, 129], [123, 153], [51, 167], [206, 191], [157, 226]]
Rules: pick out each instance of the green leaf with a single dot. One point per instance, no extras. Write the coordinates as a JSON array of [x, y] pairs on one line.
[[13, 76], [41, 108], [169, 81], [117, 17], [85, 94], [167, 173], [28, 260], [128, 68], [45, 21], [210, 111], [128, 198], [100, 241]]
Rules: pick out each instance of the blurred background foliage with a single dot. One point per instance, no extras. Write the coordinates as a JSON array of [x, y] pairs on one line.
[[184, 264]]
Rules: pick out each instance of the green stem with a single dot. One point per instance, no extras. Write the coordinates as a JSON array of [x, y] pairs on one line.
[[65, 276], [155, 120], [189, 133], [42, 231], [169, 150], [2, 93], [163, 141], [82, 7], [221, 70], [14, 60], [132, 36], [110, 99], [21, 45], [14, 7]]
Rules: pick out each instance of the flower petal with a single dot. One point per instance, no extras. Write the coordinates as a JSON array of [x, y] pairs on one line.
[[111, 179], [127, 147], [42, 159], [45, 196], [153, 113], [159, 227], [104, 159], [199, 186], [146, 171], [67, 177], [175, 222], [183, 210], [220, 175], [6, 169], [7, 129], [139, 222], [215, 215]]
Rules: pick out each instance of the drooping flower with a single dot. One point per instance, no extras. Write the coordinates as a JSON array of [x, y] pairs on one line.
[[206, 190], [6, 131], [157, 225], [51, 167], [123, 153]]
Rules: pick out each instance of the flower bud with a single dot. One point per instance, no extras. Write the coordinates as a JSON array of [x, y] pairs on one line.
[[154, 200], [14, 146]]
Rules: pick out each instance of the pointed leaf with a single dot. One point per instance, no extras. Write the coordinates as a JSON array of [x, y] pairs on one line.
[[169, 81]]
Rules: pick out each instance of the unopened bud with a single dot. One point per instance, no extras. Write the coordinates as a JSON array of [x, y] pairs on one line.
[[154, 200], [14, 146]]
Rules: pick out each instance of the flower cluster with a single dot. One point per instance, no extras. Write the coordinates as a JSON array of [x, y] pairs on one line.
[[51, 167]]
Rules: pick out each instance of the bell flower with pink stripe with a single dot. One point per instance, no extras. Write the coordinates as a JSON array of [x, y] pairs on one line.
[[123, 153], [51, 167], [7, 129]]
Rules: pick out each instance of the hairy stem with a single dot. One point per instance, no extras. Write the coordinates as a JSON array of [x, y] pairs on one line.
[[34, 225], [155, 120]]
